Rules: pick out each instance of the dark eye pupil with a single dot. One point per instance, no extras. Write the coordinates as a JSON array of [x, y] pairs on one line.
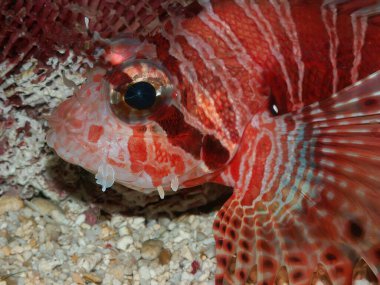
[[140, 95]]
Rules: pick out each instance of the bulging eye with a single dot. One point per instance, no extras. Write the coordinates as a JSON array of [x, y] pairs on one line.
[[140, 95], [139, 88]]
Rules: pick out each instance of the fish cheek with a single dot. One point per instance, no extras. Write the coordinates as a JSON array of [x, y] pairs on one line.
[[214, 154], [94, 133], [179, 132]]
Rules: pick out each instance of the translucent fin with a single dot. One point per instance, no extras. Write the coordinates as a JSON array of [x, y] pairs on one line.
[[105, 176], [308, 197]]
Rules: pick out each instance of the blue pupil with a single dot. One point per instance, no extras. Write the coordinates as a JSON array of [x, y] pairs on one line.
[[140, 95]]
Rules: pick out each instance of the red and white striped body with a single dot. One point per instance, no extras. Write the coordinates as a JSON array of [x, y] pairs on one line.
[[304, 178]]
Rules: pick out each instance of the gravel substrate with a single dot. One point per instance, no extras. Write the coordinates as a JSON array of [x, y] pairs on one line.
[[42, 242]]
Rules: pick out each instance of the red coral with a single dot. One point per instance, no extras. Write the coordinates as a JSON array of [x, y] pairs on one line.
[[195, 267]]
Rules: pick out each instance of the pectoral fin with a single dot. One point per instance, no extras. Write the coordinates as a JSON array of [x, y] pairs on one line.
[[306, 205]]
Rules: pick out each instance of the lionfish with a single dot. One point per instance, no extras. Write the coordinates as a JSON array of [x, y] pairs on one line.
[[279, 99]]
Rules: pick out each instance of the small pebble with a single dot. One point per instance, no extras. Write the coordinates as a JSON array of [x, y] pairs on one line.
[[201, 236], [10, 203], [117, 271], [151, 249], [47, 265], [44, 206], [80, 220], [210, 252], [5, 250], [77, 278], [186, 253], [124, 242], [138, 222], [90, 277], [124, 230], [172, 226], [163, 221], [106, 232], [165, 256], [88, 262], [144, 275]]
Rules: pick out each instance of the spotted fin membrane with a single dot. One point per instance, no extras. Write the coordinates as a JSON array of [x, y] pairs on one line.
[[311, 208]]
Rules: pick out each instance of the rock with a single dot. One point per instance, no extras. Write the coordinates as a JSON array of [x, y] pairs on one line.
[[187, 277], [124, 231], [124, 242], [151, 249], [88, 262], [47, 265], [210, 251], [138, 222], [110, 280], [144, 275], [106, 232], [80, 220], [117, 271], [172, 226], [182, 235], [200, 236], [48, 208], [163, 221], [91, 277], [44, 206], [186, 253], [5, 250], [77, 278], [52, 232], [165, 256], [129, 264], [10, 203]]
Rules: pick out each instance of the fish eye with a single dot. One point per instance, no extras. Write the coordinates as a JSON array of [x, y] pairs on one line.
[[139, 88], [140, 95]]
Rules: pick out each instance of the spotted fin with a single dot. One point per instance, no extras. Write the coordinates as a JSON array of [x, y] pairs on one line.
[[307, 201]]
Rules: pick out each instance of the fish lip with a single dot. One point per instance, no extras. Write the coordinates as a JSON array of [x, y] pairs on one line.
[[141, 189]]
